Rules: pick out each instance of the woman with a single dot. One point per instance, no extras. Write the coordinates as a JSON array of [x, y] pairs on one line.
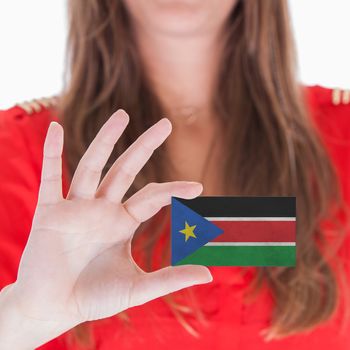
[[238, 123]]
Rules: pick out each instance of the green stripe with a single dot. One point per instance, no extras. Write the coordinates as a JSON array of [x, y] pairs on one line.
[[242, 256]]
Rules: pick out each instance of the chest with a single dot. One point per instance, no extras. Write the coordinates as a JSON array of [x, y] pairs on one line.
[[197, 157]]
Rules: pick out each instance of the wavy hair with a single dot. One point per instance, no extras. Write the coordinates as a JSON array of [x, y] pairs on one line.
[[272, 145]]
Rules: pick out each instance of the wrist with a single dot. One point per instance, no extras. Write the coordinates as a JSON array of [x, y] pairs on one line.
[[21, 331]]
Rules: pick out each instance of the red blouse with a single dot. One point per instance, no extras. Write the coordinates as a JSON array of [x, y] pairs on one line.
[[231, 322]]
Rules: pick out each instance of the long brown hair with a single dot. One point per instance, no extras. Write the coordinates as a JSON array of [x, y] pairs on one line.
[[272, 147]]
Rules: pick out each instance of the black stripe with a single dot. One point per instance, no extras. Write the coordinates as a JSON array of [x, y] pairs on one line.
[[242, 206]]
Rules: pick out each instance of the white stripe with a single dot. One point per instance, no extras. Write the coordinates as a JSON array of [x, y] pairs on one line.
[[250, 219], [250, 244]]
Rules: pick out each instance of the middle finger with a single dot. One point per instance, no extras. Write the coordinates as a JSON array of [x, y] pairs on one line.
[[123, 172], [88, 173]]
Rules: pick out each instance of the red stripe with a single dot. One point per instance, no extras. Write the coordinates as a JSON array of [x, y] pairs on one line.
[[256, 231]]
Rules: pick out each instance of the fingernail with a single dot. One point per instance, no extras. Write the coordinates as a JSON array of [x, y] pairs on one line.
[[121, 115], [206, 280], [54, 128], [166, 122], [206, 276], [53, 124], [196, 185], [210, 277]]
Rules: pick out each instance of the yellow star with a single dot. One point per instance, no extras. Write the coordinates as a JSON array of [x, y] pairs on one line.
[[188, 231]]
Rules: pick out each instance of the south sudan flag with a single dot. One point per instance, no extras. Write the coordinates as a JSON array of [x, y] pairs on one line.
[[233, 231]]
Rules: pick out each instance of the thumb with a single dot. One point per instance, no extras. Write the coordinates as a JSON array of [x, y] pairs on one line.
[[169, 279]]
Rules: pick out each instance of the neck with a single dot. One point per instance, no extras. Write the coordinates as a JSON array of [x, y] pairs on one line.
[[182, 71]]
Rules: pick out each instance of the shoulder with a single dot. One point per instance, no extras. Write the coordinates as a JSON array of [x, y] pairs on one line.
[[27, 113], [320, 95], [330, 111], [23, 129], [25, 123], [329, 107]]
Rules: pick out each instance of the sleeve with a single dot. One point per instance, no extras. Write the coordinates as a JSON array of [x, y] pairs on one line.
[[19, 184]]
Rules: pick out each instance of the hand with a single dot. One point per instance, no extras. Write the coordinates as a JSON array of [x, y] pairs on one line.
[[77, 264]]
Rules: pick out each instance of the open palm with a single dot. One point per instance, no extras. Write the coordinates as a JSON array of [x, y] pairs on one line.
[[77, 263]]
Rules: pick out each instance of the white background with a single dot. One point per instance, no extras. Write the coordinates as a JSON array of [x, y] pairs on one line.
[[33, 35]]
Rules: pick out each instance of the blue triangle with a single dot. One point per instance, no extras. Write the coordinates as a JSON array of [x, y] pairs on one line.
[[205, 231]]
